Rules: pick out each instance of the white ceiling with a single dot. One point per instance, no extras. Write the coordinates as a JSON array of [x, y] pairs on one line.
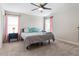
[[27, 7]]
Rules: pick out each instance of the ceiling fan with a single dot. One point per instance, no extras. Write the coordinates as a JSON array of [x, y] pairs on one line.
[[41, 7]]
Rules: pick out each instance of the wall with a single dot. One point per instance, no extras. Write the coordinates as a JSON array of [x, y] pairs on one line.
[[30, 20], [1, 28], [66, 21]]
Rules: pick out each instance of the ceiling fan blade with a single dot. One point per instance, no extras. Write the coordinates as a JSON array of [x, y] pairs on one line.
[[44, 4], [47, 8], [35, 4], [34, 9]]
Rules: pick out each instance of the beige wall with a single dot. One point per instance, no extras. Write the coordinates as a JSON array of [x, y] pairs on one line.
[[66, 21], [30, 20]]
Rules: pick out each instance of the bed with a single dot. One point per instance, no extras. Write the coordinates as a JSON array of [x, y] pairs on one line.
[[31, 38]]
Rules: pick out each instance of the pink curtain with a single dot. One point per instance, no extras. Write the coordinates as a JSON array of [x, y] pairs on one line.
[[18, 24], [51, 24], [5, 29]]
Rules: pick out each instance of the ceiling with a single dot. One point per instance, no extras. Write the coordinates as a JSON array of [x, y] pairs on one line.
[[27, 7]]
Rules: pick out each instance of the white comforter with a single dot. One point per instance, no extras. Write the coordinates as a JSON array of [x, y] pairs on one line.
[[24, 35]]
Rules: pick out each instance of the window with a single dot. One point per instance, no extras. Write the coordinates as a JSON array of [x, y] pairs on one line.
[[47, 25], [12, 24]]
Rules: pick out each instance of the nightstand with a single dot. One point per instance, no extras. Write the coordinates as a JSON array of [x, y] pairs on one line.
[[12, 36]]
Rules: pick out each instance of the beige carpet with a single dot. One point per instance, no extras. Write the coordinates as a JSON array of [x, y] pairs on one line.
[[57, 48]]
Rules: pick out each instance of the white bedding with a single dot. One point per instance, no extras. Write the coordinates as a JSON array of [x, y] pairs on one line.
[[24, 35]]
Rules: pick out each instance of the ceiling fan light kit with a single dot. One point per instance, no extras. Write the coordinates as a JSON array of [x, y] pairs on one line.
[[40, 9]]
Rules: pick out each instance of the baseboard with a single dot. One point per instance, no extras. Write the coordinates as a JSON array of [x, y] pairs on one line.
[[69, 42]]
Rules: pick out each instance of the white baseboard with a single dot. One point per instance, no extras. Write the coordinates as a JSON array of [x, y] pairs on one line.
[[69, 42]]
